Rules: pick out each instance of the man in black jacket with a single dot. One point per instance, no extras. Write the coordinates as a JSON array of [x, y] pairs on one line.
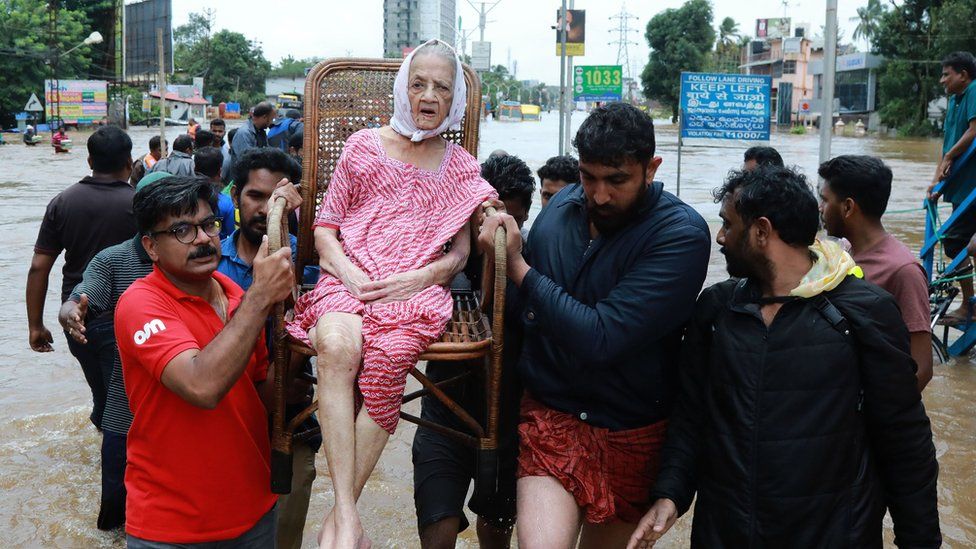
[[799, 418], [611, 270]]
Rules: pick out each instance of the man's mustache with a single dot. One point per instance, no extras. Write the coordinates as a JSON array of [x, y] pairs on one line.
[[203, 251]]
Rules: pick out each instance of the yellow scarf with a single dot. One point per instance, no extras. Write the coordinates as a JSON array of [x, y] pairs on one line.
[[832, 266]]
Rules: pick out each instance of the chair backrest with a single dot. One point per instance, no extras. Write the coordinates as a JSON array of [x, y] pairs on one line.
[[343, 96]]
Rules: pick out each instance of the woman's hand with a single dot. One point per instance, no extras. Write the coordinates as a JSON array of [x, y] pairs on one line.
[[399, 287], [354, 280]]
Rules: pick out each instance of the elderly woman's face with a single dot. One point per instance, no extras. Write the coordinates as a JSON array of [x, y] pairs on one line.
[[431, 90]]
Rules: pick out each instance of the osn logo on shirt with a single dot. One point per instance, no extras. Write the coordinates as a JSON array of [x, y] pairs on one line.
[[154, 326]]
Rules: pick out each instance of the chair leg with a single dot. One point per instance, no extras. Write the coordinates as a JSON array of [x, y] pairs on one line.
[[281, 438]]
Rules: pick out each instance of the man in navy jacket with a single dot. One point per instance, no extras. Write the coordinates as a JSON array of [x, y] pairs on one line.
[[607, 280]]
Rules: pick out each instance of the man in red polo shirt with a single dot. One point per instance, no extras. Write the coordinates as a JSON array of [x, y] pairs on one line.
[[194, 363]]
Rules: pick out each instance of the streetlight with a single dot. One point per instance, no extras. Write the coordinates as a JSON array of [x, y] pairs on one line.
[[94, 38], [510, 89]]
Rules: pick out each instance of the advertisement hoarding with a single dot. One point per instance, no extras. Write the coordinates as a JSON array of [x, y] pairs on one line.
[[597, 83], [82, 101], [141, 21], [575, 27], [773, 28]]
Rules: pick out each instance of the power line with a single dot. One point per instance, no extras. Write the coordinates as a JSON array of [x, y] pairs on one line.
[[623, 40]]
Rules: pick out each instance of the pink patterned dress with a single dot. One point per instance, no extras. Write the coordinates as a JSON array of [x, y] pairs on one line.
[[392, 217]]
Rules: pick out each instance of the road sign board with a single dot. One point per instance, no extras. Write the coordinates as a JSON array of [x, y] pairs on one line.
[[481, 56], [597, 83], [34, 104], [804, 107], [725, 106]]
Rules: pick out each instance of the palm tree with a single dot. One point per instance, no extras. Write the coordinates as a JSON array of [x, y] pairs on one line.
[[867, 21], [727, 45], [728, 32]]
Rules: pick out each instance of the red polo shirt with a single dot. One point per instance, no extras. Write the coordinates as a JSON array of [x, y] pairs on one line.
[[193, 475]]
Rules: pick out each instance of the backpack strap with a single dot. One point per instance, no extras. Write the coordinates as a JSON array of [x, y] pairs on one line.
[[839, 322], [831, 314]]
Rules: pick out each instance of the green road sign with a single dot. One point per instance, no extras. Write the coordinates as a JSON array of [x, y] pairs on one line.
[[597, 83]]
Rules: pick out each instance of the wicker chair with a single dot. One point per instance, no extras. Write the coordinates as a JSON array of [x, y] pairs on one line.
[[343, 96]]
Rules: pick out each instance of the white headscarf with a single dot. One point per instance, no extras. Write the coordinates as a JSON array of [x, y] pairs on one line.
[[403, 122]]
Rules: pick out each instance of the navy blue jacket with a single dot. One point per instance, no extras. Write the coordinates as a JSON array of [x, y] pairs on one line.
[[603, 320]]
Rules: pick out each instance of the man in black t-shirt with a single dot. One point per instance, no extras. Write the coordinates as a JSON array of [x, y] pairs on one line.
[[85, 218]]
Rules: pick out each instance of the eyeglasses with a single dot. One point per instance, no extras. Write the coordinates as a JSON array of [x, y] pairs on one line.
[[186, 233]]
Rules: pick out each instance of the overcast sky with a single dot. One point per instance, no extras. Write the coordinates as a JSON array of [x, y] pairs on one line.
[[517, 28]]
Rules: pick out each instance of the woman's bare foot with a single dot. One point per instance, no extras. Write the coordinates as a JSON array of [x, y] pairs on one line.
[[349, 532], [327, 535]]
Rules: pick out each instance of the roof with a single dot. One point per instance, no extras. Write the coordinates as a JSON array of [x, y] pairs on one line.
[[173, 96]]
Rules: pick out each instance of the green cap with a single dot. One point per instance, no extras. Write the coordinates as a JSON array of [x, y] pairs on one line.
[[152, 178]]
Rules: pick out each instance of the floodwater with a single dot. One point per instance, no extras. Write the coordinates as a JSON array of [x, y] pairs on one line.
[[49, 458]]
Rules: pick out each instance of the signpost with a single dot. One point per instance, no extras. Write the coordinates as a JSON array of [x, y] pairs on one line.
[[481, 56], [34, 104], [723, 106], [598, 83]]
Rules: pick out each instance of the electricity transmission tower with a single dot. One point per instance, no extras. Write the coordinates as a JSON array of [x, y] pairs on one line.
[[623, 40]]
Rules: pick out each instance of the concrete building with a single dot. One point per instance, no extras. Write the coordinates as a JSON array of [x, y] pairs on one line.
[[409, 23], [788, 61], [184, 108], [855, 86]]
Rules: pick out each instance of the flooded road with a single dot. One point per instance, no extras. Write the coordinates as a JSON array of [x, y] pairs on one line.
[[49, 456]]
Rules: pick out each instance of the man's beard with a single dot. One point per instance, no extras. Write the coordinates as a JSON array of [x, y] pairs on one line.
[[252, 232], [608, 219], [744, 262]]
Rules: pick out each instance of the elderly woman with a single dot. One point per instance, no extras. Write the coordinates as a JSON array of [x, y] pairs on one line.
[[398, 195]]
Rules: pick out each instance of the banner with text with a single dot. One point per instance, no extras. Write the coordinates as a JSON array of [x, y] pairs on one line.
[[597, 83], [725, 106], [82, 101], [575, 29]]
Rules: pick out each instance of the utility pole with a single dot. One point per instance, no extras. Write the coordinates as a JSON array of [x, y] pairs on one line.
[[561, 29], [161, 84], [567, 140], [830, 70], [55, 61], [482, 13]]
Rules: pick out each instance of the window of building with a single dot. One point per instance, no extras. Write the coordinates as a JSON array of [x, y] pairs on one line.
[[789, 67], [777, 69]]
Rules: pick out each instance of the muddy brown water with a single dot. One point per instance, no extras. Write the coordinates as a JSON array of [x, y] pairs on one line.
[[49, 456]]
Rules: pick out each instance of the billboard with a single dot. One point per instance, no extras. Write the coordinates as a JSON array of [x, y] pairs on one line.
[[725, 106], [773, 28], [597, 83], [481, 56], [141, 21], [82, 101], [575, 28]]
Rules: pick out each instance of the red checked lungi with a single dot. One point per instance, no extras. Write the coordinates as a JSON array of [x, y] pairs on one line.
[[609, 473]]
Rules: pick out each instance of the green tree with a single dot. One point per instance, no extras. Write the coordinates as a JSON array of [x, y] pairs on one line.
[[680, 40], [289, 67], [867, 19], [727, 47], [26, 55], [233, 68], [728, 32], [913, 36]]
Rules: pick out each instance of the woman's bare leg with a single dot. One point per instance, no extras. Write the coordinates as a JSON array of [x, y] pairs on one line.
[[370, 441], [338, 340]]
